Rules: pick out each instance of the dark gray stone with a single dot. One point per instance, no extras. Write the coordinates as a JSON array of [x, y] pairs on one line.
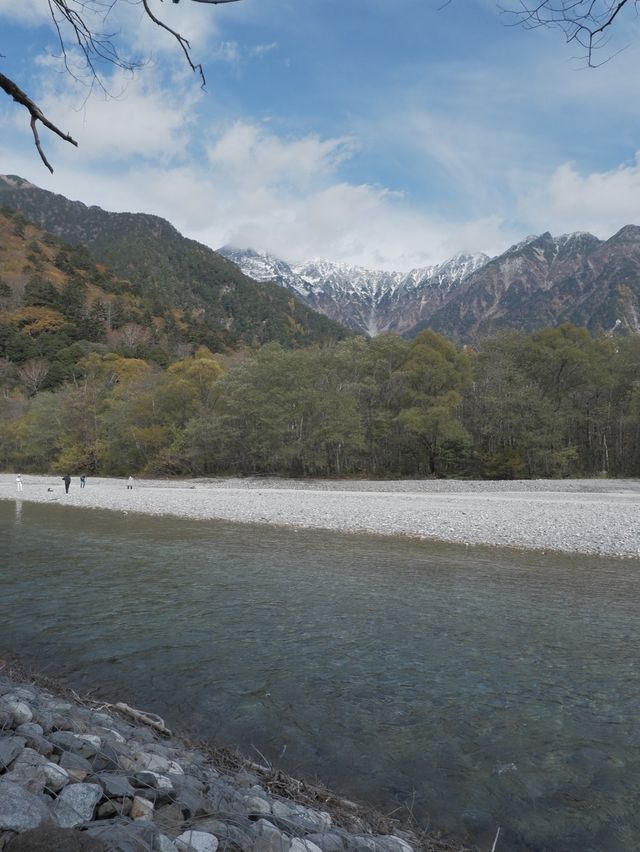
[[113, 808], [189, 793], [144, 735], [44, 718], [169, 818], [61, 722], [10, 748], [34, 739], [71, 762], [76, 744], [122, 835], [267, 838], [330, 842], [48, 837], [115, 786], [239, 833], [109, 756], [29, 729], [19, 809]]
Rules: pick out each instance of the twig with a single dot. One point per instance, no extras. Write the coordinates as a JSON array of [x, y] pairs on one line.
[[495, 842]]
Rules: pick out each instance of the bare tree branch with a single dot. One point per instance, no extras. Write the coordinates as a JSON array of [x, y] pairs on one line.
[[73, 18], [184, 44], [584, 22], [36, 115]]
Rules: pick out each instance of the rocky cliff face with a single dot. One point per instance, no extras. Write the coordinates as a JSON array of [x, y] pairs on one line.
[[541, 281], [546, 281]]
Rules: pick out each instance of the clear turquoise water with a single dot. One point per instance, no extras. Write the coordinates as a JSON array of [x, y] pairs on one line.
[[477, 687]]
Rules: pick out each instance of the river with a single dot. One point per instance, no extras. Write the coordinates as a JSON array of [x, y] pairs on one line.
[[473, 687]]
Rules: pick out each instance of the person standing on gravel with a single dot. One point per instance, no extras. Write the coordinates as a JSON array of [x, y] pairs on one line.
[[130, 483], [83, 480], [67, 482], [18, 482]]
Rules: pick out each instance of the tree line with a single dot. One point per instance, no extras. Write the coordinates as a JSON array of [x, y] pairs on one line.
[[558, 402]]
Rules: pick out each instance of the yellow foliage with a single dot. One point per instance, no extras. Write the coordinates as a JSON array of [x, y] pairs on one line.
[[200, 372], [204, 352], [114, 368], [34, 320]]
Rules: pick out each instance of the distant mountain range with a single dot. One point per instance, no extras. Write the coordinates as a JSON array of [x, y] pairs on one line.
[[367, 301], [539, 282]]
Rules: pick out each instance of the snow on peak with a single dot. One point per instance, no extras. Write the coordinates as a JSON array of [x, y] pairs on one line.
[[340, 280]]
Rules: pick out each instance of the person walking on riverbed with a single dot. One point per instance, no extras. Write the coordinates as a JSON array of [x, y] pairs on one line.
[[67, 482], [18, 482], [130, 484], [83, 480]]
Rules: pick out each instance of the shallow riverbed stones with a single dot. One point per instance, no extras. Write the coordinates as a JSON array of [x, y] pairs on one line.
[[102, 783]]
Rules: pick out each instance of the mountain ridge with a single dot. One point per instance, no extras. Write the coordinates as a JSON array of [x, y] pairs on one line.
[[224, 306], [538, 282], [541, 280]]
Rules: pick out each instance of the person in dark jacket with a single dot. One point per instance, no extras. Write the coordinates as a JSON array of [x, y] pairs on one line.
[[67, 482]]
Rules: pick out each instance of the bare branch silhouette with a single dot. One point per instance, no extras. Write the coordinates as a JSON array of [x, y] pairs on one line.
[[583, 22], [73, 21]]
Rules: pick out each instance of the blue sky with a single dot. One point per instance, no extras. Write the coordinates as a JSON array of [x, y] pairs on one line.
[[386, 133]]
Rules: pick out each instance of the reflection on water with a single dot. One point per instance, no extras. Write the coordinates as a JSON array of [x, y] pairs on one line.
[[481, 687]]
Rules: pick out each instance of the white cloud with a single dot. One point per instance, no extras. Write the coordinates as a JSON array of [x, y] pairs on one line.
[[249, 155], [27, 12], [600, 202]]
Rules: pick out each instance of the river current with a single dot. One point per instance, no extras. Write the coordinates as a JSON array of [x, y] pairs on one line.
[[472, 687]]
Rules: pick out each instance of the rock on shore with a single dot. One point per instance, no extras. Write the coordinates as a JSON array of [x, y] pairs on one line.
[[79, 779]]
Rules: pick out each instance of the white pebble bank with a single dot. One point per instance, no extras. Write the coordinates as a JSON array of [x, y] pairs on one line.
[[577, 516]]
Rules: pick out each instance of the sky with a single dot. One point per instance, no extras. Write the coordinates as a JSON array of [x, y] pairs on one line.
[[390, 134]]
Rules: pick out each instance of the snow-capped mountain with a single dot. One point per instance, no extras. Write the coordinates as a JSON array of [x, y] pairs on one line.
[[540, 281], [366, 300]]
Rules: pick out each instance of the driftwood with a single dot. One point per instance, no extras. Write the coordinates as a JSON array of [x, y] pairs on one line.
[[151, 719]]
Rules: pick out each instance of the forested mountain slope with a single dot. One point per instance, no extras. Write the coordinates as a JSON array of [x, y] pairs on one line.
[[222, 307]]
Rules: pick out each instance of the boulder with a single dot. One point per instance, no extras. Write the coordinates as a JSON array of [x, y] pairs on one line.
[[232, 835], [85, 746], [299, 844], [115, 786], [122, 835], [196, 841], [77, 803], [48, 837], [267, 838], [329, 842], [163, 844], [20, 809], [141, 809], [10, 748], [20, 711], [78, 767], [188, 794]]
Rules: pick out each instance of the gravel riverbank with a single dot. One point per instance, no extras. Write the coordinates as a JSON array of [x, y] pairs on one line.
[[578, 516]]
